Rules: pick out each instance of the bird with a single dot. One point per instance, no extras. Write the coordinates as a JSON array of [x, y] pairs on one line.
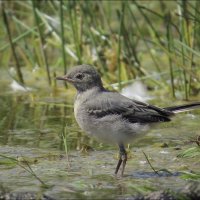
[[110, 116]]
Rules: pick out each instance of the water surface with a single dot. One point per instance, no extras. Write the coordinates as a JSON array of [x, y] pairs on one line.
[[32, 125]]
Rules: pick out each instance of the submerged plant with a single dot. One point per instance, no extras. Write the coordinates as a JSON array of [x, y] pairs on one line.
[[23, 163]]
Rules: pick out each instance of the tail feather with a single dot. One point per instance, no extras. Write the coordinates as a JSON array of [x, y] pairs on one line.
[[184, 108]]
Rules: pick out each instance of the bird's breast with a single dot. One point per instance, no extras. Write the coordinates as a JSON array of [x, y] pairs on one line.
[[80, 112]]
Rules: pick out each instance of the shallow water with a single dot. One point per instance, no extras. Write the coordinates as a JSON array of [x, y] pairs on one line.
[[31, 127]]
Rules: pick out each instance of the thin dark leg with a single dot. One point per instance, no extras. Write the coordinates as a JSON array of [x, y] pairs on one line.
[[122, 159], [118, 165]]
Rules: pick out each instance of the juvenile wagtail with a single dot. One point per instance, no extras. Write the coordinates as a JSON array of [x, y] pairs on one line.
[[111, 116]]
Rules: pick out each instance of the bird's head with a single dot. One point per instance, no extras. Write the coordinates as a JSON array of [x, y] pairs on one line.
[[83, 77]]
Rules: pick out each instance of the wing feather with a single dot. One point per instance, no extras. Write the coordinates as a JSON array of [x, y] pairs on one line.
[[111, 103]]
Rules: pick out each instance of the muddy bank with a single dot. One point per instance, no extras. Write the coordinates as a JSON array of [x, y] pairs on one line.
[[190, 192]]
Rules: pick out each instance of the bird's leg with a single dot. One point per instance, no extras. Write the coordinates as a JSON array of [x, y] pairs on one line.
[[122, 159]]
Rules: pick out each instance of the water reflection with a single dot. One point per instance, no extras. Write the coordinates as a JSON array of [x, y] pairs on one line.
[[32, 123]]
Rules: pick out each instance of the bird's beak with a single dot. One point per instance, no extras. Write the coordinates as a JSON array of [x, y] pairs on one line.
[[64, 78]]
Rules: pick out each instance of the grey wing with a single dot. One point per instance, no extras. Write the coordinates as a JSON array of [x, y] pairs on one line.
[[111, 103]]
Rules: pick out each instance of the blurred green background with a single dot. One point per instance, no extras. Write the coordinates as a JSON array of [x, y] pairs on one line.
[[156, 41]]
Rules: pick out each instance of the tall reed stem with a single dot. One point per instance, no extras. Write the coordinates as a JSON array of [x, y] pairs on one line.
[[42, 41], [18, 69], [121, 15]]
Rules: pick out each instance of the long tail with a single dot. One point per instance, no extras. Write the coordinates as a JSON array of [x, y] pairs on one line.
[[184, 108]]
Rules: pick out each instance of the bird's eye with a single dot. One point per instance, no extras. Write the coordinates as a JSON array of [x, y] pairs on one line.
[[79, 76]]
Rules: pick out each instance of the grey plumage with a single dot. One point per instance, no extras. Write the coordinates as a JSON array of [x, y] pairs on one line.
[[109, 115]]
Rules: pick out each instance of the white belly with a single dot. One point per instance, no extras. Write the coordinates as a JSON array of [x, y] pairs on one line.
[[112, 128]]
